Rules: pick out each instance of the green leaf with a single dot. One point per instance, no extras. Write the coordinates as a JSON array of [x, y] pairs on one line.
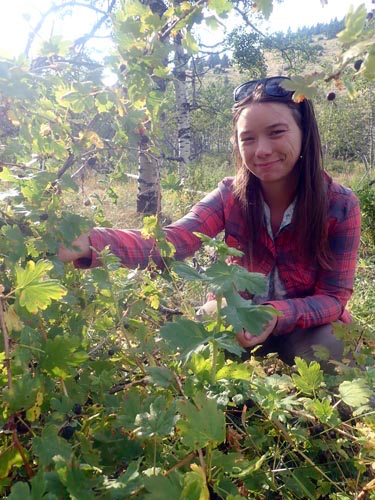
[[310, 376], [189, 43], [235, 371], [195, 485], [354, 24], [265, 7], [161, 487], [220, 6], [222, 250], [158, 421], [126, 484], [187, 272], [160, 376], [61, 353], [185, 336], [50, 445], [201, 423], [20, 491], [225, 278], [368, 65], [302, 87], [23, 394], [355, 393], [324, 411], [228, 342], [33, 293], [8, 459]]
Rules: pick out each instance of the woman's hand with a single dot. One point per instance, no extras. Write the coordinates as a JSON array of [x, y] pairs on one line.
[[246, 339], [83, 243]]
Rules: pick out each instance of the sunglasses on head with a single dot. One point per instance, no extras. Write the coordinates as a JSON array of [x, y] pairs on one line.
[[271, 87]]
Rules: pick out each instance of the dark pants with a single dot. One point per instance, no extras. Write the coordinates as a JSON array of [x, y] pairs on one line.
[[300, 343]]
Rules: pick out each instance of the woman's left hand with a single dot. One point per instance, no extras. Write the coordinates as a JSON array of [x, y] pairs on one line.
[[246, 339]]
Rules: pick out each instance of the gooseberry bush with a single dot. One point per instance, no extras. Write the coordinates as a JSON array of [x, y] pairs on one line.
[[111, 388]]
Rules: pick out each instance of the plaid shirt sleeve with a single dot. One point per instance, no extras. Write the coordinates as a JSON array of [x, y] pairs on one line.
[[206, 217], [333, 287]]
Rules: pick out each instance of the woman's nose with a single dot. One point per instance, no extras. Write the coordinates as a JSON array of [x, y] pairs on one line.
[[263, 147]]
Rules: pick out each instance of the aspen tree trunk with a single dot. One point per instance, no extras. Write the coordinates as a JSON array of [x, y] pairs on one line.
[[183, 108], [149, 193], [148, 197]]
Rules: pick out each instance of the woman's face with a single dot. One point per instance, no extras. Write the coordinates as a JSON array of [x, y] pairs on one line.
[[269, 141]]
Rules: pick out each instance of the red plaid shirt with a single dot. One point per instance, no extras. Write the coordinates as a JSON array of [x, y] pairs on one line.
[[314, 296]]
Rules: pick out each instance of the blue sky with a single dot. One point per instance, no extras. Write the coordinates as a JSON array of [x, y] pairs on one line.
[[19, 16]]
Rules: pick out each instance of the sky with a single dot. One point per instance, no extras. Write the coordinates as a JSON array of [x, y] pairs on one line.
[[18, 17]]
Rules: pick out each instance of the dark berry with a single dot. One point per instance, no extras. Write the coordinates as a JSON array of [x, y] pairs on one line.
[[76, 377], [91, 161], [332, 434], [122, 67], [87, 203], [33, 364], [43, 217], [77, 409], [67, 432], [331, 96], [358, 64], [316, 429], [21, 427], [111, 352], [370, 15]]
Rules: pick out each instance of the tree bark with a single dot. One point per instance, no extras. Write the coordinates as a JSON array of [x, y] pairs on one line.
[[183, 107], [148, 197]]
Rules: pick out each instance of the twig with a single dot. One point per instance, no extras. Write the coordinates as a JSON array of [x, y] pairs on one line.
[[6, 343], [51, 10], [83, 39], [67, 164], [17, 444], [121, 387], [202, 462], [167, 28], [181, 463]]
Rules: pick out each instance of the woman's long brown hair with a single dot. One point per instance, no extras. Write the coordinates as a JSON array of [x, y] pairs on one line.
[[309, 224]]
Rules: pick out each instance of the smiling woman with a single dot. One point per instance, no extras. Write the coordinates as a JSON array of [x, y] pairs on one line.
[[291, 222]]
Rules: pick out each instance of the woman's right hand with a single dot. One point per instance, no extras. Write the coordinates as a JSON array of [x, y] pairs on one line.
[[83, 242]]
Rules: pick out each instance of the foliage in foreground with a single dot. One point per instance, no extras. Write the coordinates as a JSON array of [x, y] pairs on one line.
[[109, 392]]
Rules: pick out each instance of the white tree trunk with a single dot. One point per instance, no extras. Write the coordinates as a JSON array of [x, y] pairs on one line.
[[182, 106], [148, 198]]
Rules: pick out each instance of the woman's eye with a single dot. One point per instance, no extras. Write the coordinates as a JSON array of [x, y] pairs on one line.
[[277, 132], [248, 139]]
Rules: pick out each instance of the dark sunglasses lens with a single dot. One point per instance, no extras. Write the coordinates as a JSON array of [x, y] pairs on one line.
[[244, 90], [274, 89]]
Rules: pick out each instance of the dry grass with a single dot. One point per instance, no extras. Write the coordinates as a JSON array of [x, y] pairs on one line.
[[93, 196]]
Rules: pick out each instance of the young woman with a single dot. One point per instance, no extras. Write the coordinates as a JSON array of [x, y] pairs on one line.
[[291, 221]]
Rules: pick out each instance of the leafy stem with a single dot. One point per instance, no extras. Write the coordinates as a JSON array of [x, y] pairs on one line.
[[6, 343], [215, 348]]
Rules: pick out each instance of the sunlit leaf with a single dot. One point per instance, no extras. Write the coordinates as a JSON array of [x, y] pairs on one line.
[[310, 376], [354, 24], [355, 393]]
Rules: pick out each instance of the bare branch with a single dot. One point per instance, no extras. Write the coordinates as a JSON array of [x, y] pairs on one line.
[[67, 164], [55, 9], [83, 39]]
